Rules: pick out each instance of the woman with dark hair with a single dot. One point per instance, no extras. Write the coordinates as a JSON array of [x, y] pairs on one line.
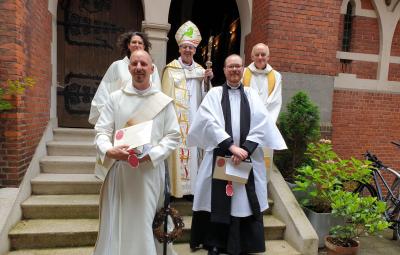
[[117, 75]]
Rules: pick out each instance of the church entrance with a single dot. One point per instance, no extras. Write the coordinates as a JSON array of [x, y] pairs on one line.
[[214, 18], [87, 32]]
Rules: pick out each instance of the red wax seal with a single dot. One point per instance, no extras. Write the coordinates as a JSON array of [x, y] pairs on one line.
[[221, 162], [119, 135], [133, 160], [229, 190]]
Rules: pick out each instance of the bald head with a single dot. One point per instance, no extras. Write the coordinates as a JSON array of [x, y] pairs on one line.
[[141, 67], [260, 55]]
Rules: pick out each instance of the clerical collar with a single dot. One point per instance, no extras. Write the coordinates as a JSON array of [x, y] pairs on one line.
[[254, 69], [186, 66], [232, 87], [142, 91]]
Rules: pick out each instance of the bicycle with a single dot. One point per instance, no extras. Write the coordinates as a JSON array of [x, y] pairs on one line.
[[392, 197]]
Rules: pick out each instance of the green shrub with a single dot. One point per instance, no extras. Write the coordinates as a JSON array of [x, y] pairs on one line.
[[362, 215], [327, 173], [299, 126]]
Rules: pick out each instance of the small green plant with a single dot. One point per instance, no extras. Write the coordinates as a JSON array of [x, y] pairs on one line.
[[362, 215], [326, 173], [13, 88], [299, 126]]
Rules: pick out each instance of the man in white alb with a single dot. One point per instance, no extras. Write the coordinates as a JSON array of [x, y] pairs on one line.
[[260, 76], [130, 196]]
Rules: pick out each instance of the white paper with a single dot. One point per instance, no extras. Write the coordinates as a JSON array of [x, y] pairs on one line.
[[135, 136], [242, 170]]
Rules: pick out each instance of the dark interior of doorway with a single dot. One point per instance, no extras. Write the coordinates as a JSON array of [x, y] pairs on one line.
[[216, 18]]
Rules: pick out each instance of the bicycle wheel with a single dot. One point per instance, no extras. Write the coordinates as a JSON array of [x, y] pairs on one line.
[[393, 210], [365, 190], [396, 227], [395, 199]]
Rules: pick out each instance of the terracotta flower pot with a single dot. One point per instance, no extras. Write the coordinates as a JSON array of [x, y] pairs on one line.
[[334, 249]]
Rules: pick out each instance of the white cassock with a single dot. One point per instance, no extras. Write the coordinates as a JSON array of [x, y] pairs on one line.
[[130, 197], [184, 83], [117, 75], [208, 130]]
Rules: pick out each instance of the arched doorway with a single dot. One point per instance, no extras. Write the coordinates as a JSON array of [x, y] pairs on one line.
[[217, 18], [87, 31]]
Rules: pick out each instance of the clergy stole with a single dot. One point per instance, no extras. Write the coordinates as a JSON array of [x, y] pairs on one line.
[[270, 77], [220, 201]]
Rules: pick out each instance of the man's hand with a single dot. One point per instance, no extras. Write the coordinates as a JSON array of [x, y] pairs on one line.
[[239, 154], [118, 152], [208, 74]]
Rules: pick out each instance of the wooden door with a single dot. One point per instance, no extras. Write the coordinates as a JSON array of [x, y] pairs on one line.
[[87, 32]]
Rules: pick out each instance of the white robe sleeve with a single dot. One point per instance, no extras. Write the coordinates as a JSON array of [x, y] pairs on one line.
[[171, 137], [155, 78], [208, 127], [103, 93], [104, 129], [263, 129], [274, 101]]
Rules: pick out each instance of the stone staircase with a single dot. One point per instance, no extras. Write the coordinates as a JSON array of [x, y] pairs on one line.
[[61, 215]]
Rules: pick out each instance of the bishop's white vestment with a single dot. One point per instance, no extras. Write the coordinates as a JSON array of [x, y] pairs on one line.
[[115, 78], [185, 85], [130, 197]]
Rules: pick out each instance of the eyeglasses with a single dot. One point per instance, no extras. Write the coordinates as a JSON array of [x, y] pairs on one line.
[[231, 67]]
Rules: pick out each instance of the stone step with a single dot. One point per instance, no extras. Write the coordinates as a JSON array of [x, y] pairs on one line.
[[61, 207], [73, 134], [273, 247], [71, 148], [61, 251], [52, 233], [184, 206], [68, 164], [59, 184], [273, 228]]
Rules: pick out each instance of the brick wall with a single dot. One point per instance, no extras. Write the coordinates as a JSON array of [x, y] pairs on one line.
[[366, 121], [365, 35], [25, 36], [396, 42], [302, 35], [394, 72], [367, 4]]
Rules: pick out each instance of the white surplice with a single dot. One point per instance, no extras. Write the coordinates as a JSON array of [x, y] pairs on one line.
[[259, 82], [208, 130], [130, 197], [117, 75]]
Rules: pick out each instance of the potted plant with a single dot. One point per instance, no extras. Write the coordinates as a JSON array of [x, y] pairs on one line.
[[361, 215], [325, 174]]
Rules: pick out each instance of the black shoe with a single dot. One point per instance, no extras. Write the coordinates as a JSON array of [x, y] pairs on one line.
[[213, 251]]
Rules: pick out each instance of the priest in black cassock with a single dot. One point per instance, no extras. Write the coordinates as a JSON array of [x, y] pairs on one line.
[[231, 122]]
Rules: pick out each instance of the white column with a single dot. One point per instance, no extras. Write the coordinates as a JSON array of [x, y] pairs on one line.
[[52, 7], [158, 37]]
